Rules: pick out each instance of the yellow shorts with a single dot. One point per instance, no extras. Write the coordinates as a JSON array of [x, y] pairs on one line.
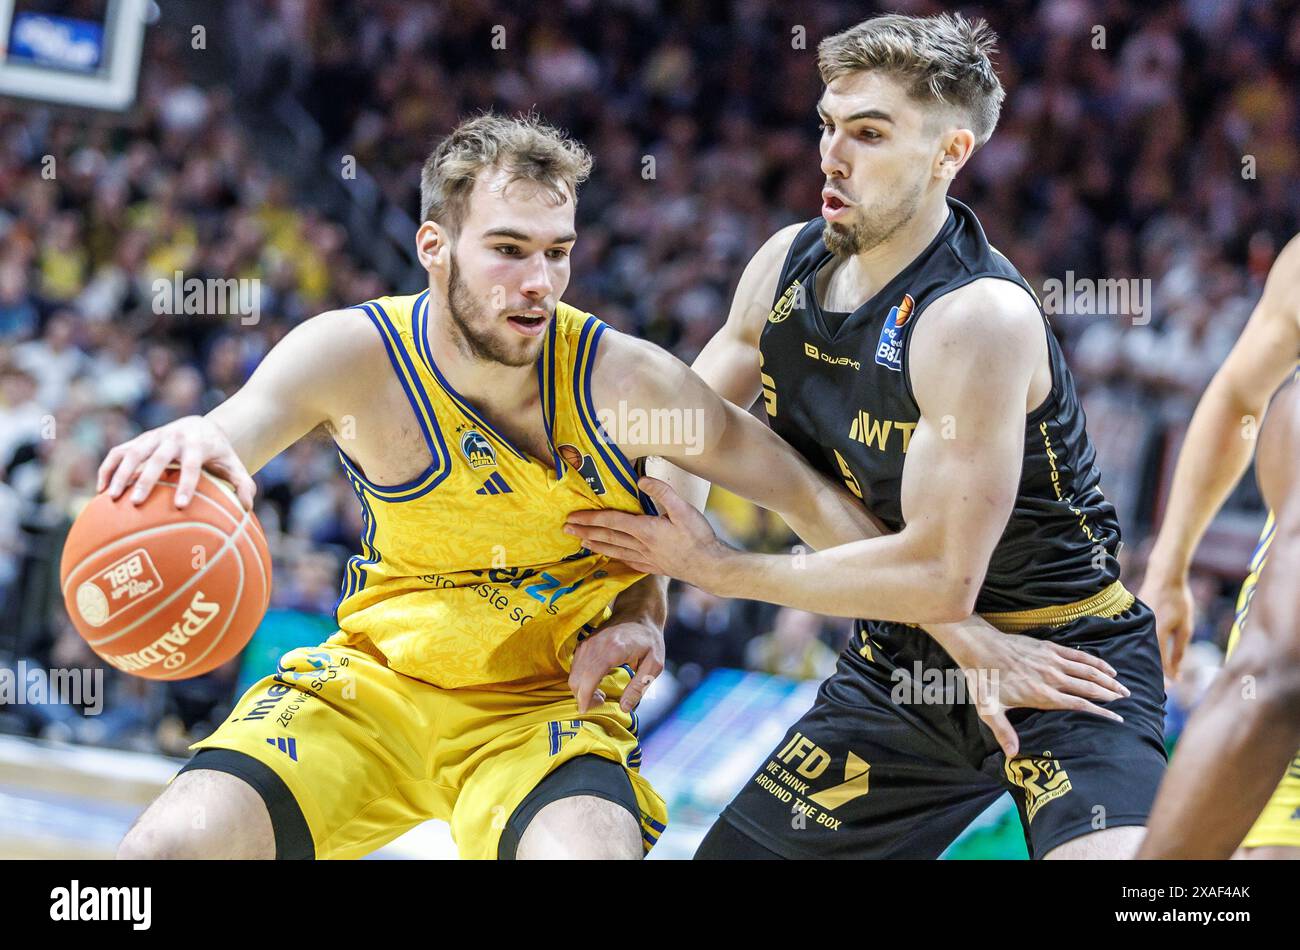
[[1278, 824], [369, 753]]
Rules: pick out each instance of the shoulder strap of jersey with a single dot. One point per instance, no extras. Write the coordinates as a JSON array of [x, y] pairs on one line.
[[805, 251], [565, 382], [392, 317]]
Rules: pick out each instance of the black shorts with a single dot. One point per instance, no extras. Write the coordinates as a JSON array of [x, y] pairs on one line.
[[886, 765]]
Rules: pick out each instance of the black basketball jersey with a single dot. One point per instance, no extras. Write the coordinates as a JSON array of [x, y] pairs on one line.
[[844, 400]]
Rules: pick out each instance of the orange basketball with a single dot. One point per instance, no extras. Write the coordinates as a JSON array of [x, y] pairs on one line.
[[165, 593]]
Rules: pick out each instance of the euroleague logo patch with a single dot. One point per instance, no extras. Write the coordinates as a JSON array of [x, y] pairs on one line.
[[889, 351], [584, 465], [123, 584]]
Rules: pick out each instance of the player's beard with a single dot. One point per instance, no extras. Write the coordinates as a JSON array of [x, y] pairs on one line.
[[474, 322], [873, 226]]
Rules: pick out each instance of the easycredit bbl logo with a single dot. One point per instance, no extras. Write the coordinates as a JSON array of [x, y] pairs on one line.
[[889, 351], [123, 584]]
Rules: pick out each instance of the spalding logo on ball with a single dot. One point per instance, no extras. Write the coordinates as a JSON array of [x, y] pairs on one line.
[[163, 593]]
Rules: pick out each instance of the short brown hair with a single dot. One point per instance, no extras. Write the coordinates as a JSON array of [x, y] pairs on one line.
[[524, 146], [944, 58]]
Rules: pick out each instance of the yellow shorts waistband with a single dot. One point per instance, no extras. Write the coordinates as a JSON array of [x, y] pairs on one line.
[[1108, 602]]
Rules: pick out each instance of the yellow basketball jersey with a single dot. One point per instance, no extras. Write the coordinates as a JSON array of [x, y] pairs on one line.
[[1257, 562], [465, 576]]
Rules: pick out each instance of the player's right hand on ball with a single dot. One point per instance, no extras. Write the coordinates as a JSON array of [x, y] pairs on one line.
[[194, 442]]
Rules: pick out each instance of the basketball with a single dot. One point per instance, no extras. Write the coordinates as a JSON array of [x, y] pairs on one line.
[[167, 593]]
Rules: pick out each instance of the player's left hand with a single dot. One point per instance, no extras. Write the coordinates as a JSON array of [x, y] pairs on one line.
[[637, 643], [678, 542]]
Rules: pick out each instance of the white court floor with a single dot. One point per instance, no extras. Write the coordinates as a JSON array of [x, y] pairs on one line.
[[66, 801]]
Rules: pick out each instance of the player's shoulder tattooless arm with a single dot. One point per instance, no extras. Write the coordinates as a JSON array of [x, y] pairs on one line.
[[729, 362], [973, 359], [1285, 273], [630, 370], [770, 258], [758, 285], [1269, 344], [321, 357], [986, 338], [637, 379], [995, 310], [775, 248], [302, 382], [342, 336]]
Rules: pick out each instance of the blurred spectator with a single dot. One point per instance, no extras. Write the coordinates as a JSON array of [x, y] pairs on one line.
[[794, 648], [704, 632], [54, 360], [21, 415], [18, 314]]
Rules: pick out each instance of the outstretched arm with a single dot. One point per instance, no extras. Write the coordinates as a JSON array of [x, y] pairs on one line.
[[958, 488], [1218, 448], [1247, 728], [287, 396], [730, 361], [729, 364], [704, 434]]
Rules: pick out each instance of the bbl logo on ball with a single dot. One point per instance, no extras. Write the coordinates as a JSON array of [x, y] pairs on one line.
[[92, 604], [123, 584]]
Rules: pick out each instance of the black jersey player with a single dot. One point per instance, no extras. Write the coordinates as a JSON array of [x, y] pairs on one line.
[[902, 354]]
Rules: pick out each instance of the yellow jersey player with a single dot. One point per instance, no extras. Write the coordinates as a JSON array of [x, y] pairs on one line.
[[471, 419], [1246, 730], [1214, 456]]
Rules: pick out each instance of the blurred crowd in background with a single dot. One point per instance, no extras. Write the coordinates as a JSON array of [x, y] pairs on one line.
[[1151, 141]]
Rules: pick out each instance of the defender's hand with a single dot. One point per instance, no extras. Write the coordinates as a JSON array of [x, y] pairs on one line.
[[636, 643], [678, 542], [1036, 674], [1175, 609], [195, 442]]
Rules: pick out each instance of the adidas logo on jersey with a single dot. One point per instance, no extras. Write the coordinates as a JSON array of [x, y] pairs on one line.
[[288, 746], [495, 485]]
